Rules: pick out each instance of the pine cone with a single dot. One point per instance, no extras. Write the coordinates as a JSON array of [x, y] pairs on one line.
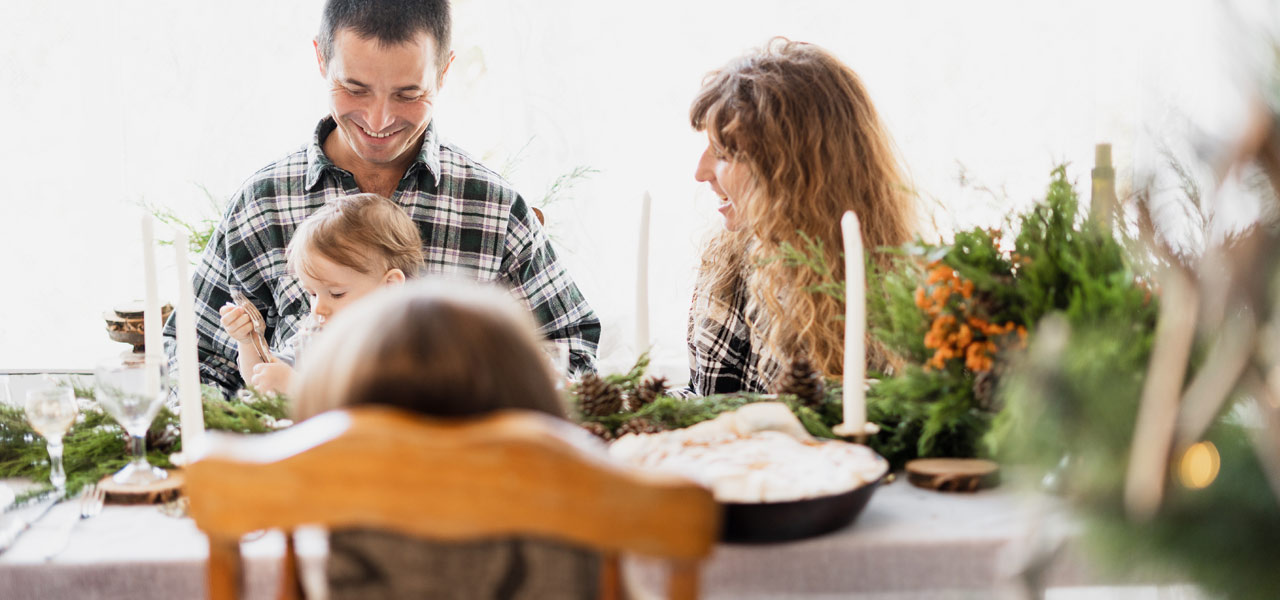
[[639, 426], [163, 438], [598, 430], [597, 397], [649, 390], [802, 382], [985, 386]]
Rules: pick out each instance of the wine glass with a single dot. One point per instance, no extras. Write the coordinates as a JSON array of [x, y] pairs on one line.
[[120, 388], [51, 410]]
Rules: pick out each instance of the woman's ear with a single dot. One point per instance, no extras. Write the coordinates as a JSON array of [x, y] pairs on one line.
[[393, 276]]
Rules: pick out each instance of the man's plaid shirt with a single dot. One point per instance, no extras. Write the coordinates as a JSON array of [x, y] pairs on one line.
[[473, 225], [725, 355]]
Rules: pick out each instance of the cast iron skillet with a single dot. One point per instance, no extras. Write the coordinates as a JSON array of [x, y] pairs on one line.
[[781, 521]]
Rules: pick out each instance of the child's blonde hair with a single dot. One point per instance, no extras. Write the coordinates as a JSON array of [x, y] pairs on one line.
[[365, 232]]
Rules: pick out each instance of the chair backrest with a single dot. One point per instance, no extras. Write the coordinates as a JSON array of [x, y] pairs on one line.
[[382, 468]]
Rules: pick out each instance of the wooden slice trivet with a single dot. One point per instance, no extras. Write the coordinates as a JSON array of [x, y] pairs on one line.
[[153, 493], [953, 474]]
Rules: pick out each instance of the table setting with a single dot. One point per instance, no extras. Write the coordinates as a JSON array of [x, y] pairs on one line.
[[126, 524], [836, 515], [129, 396]]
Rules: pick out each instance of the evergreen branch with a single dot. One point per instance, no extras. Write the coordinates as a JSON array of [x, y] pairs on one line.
[[630, 380], [559, 189], [95, 445], [199, 232]]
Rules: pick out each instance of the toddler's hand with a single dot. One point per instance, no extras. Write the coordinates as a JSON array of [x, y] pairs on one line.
[[272, 377], [237, 323]]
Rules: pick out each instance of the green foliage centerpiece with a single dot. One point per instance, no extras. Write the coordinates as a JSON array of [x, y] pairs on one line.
[[958, 316], [614, 405], [95, 446]]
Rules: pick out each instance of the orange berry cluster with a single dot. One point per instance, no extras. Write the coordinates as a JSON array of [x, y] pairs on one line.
[[945, 283], [972, 340]]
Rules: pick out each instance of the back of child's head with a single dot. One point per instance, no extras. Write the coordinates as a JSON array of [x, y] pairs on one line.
[[437, 347], [365, 232]]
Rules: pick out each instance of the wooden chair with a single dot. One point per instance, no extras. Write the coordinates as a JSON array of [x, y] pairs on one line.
[[386, 469]]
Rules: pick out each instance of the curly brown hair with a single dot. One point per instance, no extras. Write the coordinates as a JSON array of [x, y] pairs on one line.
[[804, 125]]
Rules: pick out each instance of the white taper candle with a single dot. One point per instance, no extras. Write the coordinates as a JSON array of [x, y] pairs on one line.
[[151, 311], [191, 407], [642, 277], [855, 324]]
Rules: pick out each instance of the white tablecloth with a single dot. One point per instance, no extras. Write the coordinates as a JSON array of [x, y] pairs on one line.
[[907, 543], [127, 552]]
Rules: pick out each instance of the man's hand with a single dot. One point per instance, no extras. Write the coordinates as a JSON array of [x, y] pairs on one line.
[[272, 377], [237, 323]]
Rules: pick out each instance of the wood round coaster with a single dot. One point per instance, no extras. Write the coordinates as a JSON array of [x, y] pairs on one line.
[[153, 493], [953, 474]]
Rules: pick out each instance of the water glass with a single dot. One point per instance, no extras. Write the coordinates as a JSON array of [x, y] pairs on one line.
[[120, 388], [51, 411]]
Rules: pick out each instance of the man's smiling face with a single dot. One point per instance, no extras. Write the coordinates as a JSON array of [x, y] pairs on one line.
[[381, 97]]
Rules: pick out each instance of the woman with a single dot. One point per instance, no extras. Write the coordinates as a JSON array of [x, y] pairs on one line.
[[793, 142], [445, 349]]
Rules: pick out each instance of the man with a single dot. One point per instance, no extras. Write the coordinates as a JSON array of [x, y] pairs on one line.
[[385, 62]]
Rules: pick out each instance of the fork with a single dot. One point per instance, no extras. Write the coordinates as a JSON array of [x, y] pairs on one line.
[[259, 325], [91, 502]]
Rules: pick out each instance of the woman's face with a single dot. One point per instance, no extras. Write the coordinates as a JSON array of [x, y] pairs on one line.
[[729, 179]]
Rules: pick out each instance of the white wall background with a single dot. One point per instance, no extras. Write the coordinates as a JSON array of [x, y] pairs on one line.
[[105, 104]]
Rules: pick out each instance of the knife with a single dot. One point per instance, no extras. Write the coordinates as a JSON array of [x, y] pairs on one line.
[[12, 528]]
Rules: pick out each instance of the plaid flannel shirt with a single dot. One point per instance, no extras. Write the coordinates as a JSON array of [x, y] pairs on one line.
[[724, 353], [473, 225]]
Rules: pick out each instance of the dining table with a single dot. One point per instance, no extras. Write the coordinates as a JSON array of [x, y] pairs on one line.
[[907, 543]]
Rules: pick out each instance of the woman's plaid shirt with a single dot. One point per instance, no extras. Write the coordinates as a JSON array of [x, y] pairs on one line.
[[724, 353], [473, 225]]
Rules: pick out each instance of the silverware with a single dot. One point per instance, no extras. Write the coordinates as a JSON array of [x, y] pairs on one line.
[[91, 502], [259, 325], [15, 526]]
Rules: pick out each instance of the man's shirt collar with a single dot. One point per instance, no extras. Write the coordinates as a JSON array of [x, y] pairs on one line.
[[318, 161]]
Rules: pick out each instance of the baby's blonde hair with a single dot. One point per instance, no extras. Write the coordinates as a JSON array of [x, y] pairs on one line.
[[365, 232]]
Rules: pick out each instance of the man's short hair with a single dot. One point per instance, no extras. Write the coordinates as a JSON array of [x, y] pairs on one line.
[[390, 22]]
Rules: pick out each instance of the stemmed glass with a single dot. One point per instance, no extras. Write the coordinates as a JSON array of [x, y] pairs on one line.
[[120, 388], [51, 411]]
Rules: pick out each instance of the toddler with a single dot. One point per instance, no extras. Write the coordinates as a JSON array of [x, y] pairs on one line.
[[347, 249]]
